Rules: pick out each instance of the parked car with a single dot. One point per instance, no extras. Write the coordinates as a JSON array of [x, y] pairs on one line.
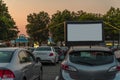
[[115, 47], [89, 63], [64, 49], [60, 53], [47, 54], [19, 64]]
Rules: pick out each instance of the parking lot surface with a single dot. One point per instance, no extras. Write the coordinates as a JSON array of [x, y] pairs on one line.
[[50, 71]]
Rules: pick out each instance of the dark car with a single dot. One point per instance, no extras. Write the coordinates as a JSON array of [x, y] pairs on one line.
[[60, 52], [89, 63], [64, 48], [115, 47], [19, 64]]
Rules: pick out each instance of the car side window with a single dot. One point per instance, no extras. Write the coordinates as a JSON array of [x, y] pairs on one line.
[[25, 57]]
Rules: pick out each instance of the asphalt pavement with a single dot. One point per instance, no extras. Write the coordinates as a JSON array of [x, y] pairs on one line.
[[50, 71]]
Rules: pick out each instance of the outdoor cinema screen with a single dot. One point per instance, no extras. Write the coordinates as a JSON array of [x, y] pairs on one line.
[[83, 32]]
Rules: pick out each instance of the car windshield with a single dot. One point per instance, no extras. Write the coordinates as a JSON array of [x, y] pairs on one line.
[[5, 56], [91, 57], [43, 49]]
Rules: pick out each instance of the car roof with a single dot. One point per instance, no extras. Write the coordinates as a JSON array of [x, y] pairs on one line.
[[89, 48]]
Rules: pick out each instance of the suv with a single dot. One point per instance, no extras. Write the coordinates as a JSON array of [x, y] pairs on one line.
[[89, 63]]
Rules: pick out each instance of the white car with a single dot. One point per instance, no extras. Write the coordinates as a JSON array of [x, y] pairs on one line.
[[46, 54]]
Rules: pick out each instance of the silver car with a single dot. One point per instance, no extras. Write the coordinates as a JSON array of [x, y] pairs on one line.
[[47, 54], [89, 63], [19, 64]]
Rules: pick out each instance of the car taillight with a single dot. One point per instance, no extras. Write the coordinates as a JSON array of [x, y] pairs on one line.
[[118, 68], [51, 54], [66, 67], [114, 68], [7, 75]]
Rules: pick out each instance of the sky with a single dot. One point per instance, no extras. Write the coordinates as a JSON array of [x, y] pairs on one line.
[[19, 9]]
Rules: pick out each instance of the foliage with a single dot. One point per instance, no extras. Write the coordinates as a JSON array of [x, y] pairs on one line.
[[112, 18], [37, 26], [7, 25], [57, 24], [58, 19]]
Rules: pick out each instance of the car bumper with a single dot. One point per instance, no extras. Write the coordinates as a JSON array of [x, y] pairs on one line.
[[64, 75], [48, 60]]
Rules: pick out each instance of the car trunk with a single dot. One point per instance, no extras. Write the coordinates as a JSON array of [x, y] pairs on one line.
[[92, 72], [44, 55]]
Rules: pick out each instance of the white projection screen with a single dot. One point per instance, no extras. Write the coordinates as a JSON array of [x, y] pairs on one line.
[[83, 33]]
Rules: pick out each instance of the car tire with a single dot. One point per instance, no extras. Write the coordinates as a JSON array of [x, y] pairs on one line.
[[24, 78], [57, 61], [54, 62]]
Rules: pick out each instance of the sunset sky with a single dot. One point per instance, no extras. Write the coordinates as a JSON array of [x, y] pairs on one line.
[[19, 9]]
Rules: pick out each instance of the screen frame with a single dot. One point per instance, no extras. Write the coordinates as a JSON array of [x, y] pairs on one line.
[[82, 42]]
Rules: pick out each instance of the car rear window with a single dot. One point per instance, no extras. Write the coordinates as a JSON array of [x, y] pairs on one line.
[[43, 49], [5, 56], [91, 57]]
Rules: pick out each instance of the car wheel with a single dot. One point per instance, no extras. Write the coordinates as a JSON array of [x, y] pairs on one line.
[[54, 62], [57, 60], [24, 78]]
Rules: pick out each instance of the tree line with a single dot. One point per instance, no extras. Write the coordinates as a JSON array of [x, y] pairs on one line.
[[8, 28], [42, 25]]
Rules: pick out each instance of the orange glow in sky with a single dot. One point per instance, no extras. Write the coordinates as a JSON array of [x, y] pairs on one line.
[[19, 9]]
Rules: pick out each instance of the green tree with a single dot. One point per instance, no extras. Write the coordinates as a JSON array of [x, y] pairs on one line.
[[57, 24], [37, 27], [8, 28], [58, 19], [112, 18], [84, 16]]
